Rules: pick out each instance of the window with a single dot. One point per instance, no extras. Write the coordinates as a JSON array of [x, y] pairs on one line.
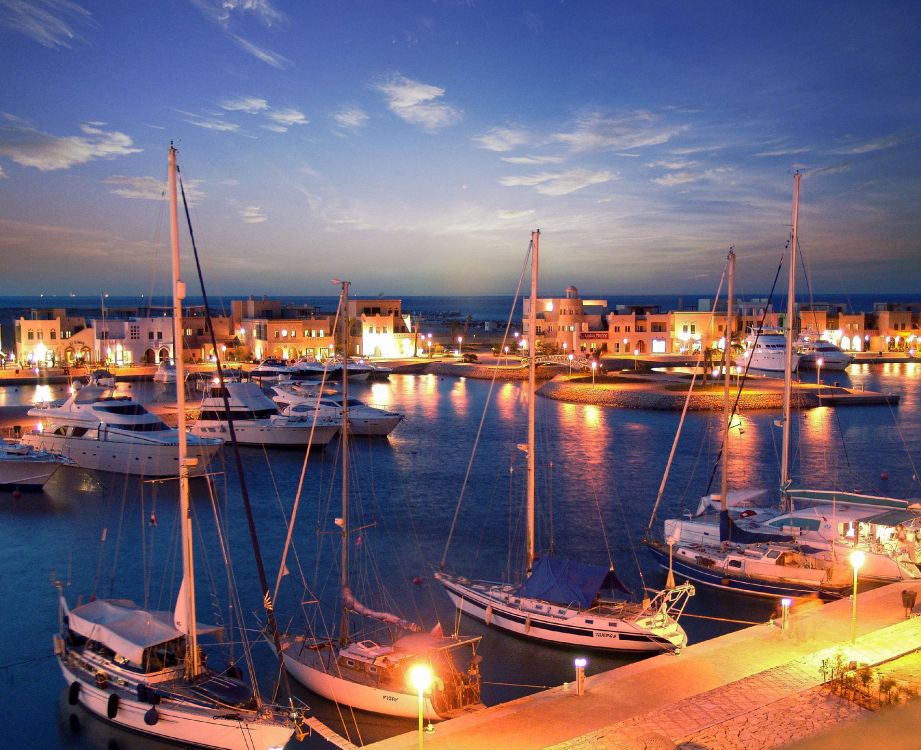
[[150, 335], [53, 335], [276, 334], [159, 335], [134, 332], [187, 332], [684, 328], [41, 335], [626, 329], [693, 328]]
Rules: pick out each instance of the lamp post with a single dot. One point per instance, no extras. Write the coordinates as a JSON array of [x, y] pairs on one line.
[[785, 604], [818, 374], [594, 367], [580, 675], [636, 353], [571, 357], [460, 342], [857, 558], [506, 354], [420, 677]]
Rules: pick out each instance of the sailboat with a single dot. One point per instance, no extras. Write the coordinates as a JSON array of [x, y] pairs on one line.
[[561, 601], [143, 669], [729, 557], [372, 676]]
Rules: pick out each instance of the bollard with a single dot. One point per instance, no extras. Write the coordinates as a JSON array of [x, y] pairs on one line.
[[580, 676], [785, 603]]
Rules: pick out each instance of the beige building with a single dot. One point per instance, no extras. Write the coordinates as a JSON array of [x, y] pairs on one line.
[[381, 328], [567, 324]]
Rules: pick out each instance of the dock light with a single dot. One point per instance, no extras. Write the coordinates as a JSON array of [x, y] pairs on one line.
[[785, 605], [636, 353], [571, 357], [580, 675], [420, 677], [857, 559], [818, 374], [594, 367]]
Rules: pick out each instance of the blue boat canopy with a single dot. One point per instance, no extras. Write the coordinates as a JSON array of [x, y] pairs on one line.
[[567, 583]]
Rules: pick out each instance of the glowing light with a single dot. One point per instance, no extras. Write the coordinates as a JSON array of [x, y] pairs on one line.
[[420, 677], [581, 663], [857, 559]]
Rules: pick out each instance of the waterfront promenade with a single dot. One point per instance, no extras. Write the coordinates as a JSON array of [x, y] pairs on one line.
[[756, 688]]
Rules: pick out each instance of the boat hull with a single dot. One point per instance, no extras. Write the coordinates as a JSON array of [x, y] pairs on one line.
[[626, 637], [267, 435], [141, 459], [26, 475], [719, 579], [188, 724], [363, 697]]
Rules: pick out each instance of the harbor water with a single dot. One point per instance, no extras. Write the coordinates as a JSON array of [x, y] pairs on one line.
[[601, 467]]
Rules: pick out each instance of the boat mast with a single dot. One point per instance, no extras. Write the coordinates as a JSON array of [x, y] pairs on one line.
[[192, 659], [727, 409], [788, 355], [532, 377], [344, 447]]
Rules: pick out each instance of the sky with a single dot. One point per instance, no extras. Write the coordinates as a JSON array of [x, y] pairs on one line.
[[412, 146]]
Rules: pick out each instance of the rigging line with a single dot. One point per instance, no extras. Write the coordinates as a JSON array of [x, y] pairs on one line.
[[118, 536], [479, 431], [911, 461], [244, 491], [313, 425], [741, 382], [687, 402]]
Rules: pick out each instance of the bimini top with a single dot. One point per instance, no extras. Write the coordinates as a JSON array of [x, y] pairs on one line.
[[567, 583], [119, 624]]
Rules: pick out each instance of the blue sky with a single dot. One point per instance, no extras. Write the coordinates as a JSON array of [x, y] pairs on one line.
[[412, 146]]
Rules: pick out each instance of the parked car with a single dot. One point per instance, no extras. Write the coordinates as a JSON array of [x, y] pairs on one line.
[[468, 357]]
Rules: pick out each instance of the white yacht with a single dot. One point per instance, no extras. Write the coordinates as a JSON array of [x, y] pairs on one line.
[[363, 419], [22, 467], [270, 370], [813, 351], [765, 350], [166, 372], [256, 419], [99, 429]]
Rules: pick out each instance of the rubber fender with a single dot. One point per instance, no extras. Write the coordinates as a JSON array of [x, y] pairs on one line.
[[73, 692], [112, 706], [151, 717]]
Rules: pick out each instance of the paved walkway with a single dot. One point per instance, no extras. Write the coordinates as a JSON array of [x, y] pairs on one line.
[[752, 689]]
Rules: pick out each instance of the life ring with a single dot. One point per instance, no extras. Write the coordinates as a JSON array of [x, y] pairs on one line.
[[151, 717], [73, 692], [112, 706]]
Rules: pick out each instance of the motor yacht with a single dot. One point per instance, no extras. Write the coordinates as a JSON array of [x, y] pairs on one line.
[[98, 428], [256, 419], [363, 419], [812, 352], [270, 370], [765, 350]]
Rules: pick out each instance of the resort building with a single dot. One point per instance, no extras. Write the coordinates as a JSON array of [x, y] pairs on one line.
[[567, 324], [381, 329]]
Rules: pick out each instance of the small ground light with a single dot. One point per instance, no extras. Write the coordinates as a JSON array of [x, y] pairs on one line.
[[580, 675], [785, 603], [420, 677]]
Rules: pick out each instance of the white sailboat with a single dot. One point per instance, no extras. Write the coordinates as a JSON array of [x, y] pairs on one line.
[[561, 602], [373, 676], [143, 669], [719, 547]]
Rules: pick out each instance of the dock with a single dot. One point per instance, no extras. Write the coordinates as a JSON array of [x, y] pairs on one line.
[[759, 687]]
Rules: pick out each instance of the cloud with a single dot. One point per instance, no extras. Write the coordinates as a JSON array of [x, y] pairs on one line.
[[790, 151], [532, 160], [598, 132], [142, 188], [415, 102], [267, 56], [48, 22], [253, 215], [252, 105], [677, 178], [282, 119], [512, 215], [829, 170], [212, 123], [350, 118], [559, 183], [865, 148], [674, 164], [32, 148], [224, 12], [502, 139]]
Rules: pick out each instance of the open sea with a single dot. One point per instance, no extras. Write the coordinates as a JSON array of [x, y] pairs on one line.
[[601, 467]]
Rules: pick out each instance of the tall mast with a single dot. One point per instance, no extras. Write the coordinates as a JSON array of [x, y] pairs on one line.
[[192, 660], [532, 377], [727, 409], [344, 328], [788, 357]]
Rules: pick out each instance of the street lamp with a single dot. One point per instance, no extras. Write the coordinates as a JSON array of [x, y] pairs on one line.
[[785, 604], [594, 367], [818, 374], [857, 558], [636, 353], [571, 357], [580, 675], [420, 677], [460, 341]]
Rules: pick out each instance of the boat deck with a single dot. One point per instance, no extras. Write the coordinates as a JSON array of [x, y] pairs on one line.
[[741, 690]]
